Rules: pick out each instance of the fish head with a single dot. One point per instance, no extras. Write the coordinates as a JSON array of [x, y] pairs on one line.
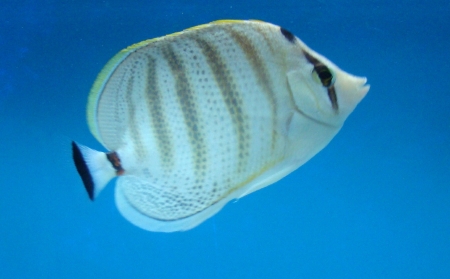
[[320, 89]]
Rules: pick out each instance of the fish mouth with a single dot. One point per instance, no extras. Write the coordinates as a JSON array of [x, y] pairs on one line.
[[363, 87]]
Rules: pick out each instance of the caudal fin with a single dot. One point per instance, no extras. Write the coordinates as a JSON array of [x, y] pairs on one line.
[[93, 167]]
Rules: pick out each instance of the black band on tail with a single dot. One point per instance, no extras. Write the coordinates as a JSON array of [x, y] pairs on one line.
[[83, 170]]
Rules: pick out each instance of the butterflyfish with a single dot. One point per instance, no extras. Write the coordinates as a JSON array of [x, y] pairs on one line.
[[195, 119]]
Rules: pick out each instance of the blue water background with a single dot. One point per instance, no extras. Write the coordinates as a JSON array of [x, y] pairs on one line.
[[375, 203]]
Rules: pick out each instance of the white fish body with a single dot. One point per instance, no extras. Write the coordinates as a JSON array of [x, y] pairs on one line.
[[213, 113]]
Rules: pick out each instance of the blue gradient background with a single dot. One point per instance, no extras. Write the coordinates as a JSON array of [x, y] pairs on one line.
[[375, 203]]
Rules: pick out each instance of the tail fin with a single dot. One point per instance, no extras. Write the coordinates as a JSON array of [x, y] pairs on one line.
[[94, 168]]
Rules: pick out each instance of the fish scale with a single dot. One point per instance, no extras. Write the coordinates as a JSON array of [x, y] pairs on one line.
[[207, 115]]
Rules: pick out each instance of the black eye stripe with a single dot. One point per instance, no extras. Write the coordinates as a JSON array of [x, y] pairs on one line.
[[322, 71], [333, 98], [311, 59], [288, 35], [324, 74], [325, 77]]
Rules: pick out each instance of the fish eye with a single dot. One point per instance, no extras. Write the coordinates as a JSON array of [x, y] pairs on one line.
[[320, 71], [325, 75]]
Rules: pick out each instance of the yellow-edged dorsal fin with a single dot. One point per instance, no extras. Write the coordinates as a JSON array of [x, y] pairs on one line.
[[108, 69]]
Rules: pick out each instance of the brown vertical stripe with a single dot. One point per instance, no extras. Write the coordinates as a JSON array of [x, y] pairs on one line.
[[186, 100], [157, 115], [230, 96], [263, 78]]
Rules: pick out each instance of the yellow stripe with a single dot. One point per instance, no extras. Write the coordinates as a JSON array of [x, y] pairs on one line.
[[97, 90], [235, 21], [222, 22]]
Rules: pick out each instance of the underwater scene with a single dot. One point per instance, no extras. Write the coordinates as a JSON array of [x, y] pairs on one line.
[[225, 139]]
